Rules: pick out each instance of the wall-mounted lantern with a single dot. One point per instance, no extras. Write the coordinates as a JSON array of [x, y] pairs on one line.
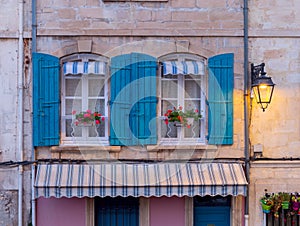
[[261, 85]]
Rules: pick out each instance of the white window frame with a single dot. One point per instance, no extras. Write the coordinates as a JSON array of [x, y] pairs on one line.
[[203, 86], [84, 140]]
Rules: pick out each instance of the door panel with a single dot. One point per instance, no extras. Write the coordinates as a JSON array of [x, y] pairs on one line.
[[212, 216]]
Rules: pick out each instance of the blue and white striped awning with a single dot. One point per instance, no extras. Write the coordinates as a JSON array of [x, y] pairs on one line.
[[93, 67], [183, 67], [121, 179]]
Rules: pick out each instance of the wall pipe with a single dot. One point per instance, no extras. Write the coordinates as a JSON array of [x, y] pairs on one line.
[[246, 109], [20, 112], [33, 49]]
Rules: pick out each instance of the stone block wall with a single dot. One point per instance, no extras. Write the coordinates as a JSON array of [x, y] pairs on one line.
[[175, 18]]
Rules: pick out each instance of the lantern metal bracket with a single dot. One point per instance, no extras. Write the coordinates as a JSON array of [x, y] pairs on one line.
[[257, 71]]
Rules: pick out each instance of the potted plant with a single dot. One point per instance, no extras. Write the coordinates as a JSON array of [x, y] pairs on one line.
[[295, 203], [277, 205], [87, 118], [267, 203], [286, 197], [182, 118], [191, 116], [298, 200]]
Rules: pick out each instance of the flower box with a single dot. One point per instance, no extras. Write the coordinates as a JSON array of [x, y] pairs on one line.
[[87, 118], [180, 117]]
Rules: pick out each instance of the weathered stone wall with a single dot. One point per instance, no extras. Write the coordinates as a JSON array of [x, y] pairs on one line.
[[202, 27], [278, 128], [178, 18], [274, 39], [8, 119], [9, 60], [8, 208], [274, 31], [275, 177]]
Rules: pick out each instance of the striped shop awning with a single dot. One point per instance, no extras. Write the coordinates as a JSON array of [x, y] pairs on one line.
[[121, 179], [93, 67], [183, 67]]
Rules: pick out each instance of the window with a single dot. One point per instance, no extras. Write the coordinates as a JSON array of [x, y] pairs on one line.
[[84, 88], [183, 85], [117, 211], [131, 105]]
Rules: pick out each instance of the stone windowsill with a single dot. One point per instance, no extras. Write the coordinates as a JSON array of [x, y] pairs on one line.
[[150, 148], [181, 147]]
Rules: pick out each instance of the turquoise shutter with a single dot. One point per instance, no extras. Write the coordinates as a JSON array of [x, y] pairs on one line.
[[133, 100], [144, 110], [120, 100], [46, 100], [220, 99]]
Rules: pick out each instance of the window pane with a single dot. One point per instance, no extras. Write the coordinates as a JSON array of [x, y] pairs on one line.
[[192, 105], [96, 87], [212, 201], [73, 87], [97, 130], [97, 105], [193, 131], [175, 77], [169, 88], [168, 130], [74, 131], [192, 89], [73, 105], [168, 104]]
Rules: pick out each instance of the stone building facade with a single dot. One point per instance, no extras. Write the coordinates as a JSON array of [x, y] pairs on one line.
[[161, 29]]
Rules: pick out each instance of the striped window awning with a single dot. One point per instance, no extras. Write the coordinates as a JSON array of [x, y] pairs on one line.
[[93, 67], [121, 179], [183, 67]]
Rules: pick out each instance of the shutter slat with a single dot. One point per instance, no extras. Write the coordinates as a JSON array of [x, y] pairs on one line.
[[46, 100], [220, 99]]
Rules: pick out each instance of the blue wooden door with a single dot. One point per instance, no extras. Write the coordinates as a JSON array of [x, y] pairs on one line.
[[212, 216]]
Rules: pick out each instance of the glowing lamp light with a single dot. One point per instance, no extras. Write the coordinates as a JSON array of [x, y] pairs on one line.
[[261, 85]]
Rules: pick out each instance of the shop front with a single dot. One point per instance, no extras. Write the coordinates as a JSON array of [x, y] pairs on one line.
[[146, 194]]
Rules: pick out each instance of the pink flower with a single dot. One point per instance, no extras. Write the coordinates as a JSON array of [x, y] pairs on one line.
[[87, 115], [196, 110], [102, 118], [73, 112], [97, 122], [180, 108], [89, 111]]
